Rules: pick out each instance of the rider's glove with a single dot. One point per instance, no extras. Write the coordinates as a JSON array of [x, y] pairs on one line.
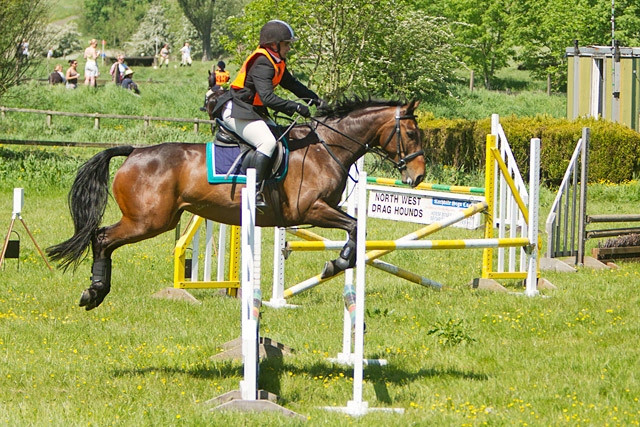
[[303, 110], [321, 104]]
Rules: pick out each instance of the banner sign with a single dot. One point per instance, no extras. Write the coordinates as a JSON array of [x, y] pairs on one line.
[[420, 206]]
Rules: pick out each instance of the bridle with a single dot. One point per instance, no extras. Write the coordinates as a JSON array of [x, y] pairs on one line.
[[400, 165]]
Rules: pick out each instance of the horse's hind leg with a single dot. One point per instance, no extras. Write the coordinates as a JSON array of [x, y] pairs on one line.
[[104, 241]]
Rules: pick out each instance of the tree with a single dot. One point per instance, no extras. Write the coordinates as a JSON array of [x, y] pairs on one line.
[[545, 29], [481, 30], [415, 59], [201, 14], [63, 40], [112, 20], [20, 20], [356, 46], [152, 33]]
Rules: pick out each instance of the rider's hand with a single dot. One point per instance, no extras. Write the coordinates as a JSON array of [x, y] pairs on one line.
[[321, 104], [303, 110]]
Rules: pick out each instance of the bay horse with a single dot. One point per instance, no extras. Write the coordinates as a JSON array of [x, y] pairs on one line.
[[156, 184]]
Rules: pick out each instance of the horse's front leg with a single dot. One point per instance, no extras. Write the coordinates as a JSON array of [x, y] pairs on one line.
[[346, 260]]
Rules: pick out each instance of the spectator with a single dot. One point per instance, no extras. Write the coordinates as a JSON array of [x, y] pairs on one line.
[[128, 83], [49, 54], [91, 71], [186, 55], [164, 56], [72, 74], [57, 77], [117, 70], [25, 48]]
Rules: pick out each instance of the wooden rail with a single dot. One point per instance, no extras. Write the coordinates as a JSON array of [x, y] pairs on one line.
[[97, 116], [59, 143]]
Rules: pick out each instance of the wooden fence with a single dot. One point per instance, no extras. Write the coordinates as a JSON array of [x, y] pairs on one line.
[[97, 116]]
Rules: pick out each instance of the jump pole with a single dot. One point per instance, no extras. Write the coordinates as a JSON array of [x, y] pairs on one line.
[[376, 263], [373, 255]]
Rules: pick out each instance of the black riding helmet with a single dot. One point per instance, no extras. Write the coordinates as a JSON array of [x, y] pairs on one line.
[[221, 64], [276, 31]]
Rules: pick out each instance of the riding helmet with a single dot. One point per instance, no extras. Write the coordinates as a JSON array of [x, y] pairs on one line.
[[276, 31], [221, 64]]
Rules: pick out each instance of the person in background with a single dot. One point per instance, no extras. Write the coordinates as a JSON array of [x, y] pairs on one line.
[[244, 107], [117, 70], [25, 48], [72, 74], [91, 71], [57, 77], [128, 83], [220, 79], [164, 56], [186, 55]]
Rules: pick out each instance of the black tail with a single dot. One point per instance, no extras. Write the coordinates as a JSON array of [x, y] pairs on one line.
[[87, 202]]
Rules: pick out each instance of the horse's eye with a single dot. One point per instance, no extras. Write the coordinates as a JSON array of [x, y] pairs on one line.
[[411, 133]]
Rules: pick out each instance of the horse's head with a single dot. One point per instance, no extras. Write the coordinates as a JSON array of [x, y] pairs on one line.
[[401, 142], [212, 101]]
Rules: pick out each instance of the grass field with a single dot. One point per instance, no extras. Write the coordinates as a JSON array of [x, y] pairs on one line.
[[566, 358]]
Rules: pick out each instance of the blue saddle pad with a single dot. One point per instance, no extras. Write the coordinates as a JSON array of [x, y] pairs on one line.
[[219, 160]]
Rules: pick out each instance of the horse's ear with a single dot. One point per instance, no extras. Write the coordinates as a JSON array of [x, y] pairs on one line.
[[412, 106], [209, 71]]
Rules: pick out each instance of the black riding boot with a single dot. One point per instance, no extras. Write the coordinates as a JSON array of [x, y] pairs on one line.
[[261, 163], [204, 107]]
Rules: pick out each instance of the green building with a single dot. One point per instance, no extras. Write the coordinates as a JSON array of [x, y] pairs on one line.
[[603, 81]]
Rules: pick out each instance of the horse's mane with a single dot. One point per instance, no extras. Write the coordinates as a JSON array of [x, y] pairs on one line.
[[346, 105]]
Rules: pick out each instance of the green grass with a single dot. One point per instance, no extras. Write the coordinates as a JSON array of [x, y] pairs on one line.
[[456, 357]]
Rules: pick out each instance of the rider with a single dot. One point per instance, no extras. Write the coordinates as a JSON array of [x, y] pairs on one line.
[[221, 78], [244, 107]]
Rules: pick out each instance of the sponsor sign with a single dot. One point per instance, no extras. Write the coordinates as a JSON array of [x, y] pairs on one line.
[[420, 206]]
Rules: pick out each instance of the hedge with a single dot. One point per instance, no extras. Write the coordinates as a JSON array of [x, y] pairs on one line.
[[613, 153]]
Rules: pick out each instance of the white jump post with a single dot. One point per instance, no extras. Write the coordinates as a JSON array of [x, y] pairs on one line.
[[531, 286], [358, 406], [250, 313], [248, 397]]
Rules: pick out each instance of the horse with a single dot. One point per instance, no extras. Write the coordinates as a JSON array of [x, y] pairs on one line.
[[212, 101], [156, 184]]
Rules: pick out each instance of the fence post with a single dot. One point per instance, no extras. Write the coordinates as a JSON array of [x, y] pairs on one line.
[[146, 122], [96, 121], [3, 114], [196, 124], [49, 120]]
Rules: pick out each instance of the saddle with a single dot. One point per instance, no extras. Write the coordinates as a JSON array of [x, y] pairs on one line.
[[226, 138]]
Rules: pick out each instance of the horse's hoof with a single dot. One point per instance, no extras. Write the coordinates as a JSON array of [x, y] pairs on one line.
[[329, 270], [88, 299]]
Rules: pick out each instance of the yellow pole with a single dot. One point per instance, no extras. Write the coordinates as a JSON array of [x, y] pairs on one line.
[[489, 198]]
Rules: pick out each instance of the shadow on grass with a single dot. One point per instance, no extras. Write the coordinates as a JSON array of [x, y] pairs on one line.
[[273, 369]]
